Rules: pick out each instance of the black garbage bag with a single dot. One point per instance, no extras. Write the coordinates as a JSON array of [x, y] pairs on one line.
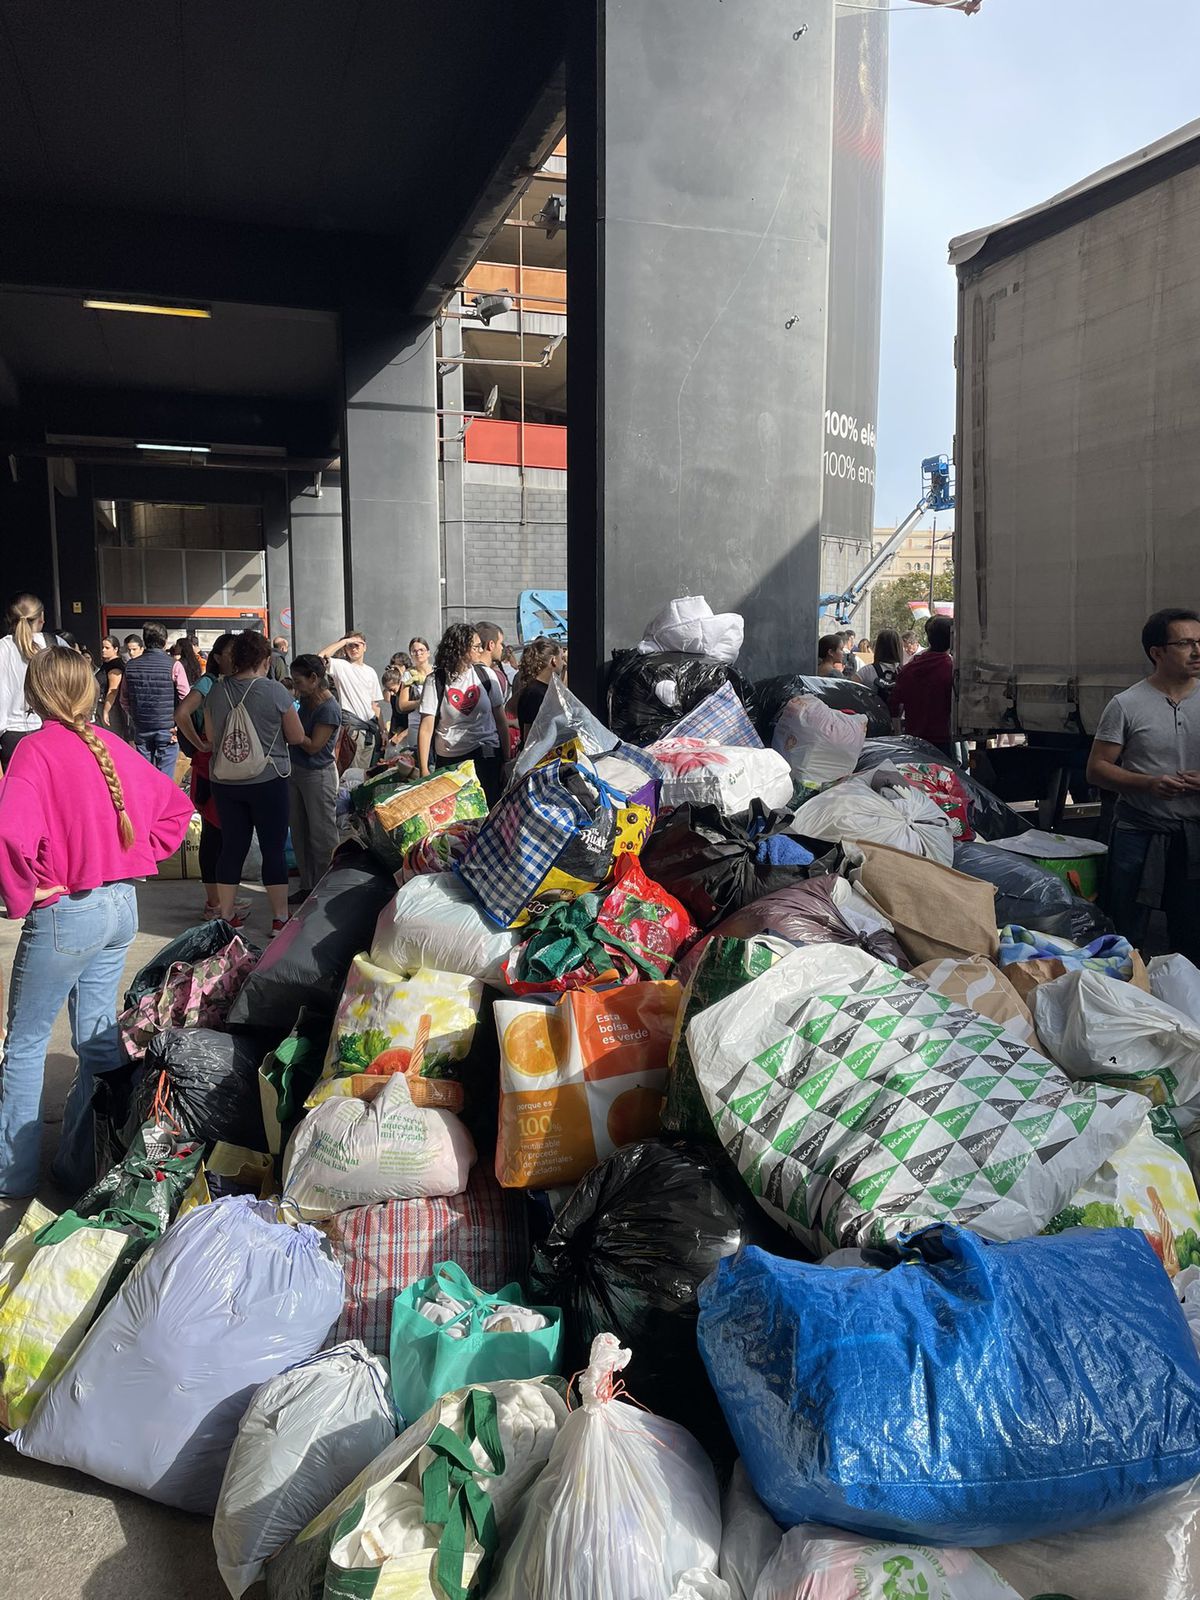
[[715, 864], [637, 684], [190, 946], [840, 694], [991, 817], [307, 964], [1032, 896], [626, 1255], [801, 913], [209, 1083]]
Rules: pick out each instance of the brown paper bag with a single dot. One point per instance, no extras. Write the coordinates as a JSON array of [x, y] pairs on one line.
[[937, 912], [1025, 976], [980, 986]]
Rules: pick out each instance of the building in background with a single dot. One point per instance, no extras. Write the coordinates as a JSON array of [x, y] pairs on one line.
[[503, 396], [915, 553]]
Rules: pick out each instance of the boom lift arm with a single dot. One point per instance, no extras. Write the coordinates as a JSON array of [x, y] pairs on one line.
[[937, 495]]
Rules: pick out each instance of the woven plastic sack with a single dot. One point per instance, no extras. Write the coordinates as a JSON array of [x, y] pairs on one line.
[[228, 1298], [1098, 1028], [971, 1395], [381, 1249], [424, 1519], [881, 807], [729, 777], [725, 965], [63, 1268], [820, 746], [720, 718], [858, 1105], [435, 921], [689, 623], [305, 1436], [1145, 1184], [551, 837], [399, 1022], [815, 1563], [580, 1079], [627, 1501], [420, 810], [351, 1152]]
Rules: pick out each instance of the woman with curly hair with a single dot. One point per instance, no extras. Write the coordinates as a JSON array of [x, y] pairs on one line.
[[542, 660], [81, 814], [462, 711]]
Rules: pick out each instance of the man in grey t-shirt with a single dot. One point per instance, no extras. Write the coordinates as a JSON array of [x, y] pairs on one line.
[[1147, 751]]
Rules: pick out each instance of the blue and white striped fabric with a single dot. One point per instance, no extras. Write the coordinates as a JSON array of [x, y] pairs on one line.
[[720, 718]]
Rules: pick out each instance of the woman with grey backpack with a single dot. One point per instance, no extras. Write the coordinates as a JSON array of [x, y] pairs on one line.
[[249, 721]]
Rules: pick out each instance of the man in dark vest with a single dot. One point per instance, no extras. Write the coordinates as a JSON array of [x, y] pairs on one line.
[[149, 693]]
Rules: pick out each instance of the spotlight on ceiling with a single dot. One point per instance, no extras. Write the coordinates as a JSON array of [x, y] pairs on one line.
[[553, 215], [489, 306], [146, 308]]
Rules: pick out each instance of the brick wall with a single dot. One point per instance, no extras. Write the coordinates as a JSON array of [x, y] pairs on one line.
[[510, 548]]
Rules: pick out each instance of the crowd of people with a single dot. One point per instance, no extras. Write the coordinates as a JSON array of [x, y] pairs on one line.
[[916, 684]]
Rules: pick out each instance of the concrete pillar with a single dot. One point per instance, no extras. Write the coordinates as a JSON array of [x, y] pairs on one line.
[[455, 601], [697, 266], [276, 533], [317, 578], [389, 470]]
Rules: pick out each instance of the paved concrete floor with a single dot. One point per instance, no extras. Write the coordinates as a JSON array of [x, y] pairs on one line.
[[66, 1536]]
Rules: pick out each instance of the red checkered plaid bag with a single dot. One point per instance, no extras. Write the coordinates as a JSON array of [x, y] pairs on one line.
[[384, 1248]]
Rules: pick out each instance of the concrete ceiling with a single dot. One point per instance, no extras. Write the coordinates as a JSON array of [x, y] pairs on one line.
[[284, 151]]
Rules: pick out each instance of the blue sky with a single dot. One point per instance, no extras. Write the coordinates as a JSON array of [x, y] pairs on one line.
[[987, 115]]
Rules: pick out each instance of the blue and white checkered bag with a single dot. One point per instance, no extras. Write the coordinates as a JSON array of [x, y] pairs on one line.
[[720, 718], [552, 836]]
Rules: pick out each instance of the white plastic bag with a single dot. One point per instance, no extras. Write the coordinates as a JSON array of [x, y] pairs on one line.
[[727, 776], [816, 1563], [627, 1503], [820, 745], [227, 1298], [882, 807], [562, 718], [689, 624], [1176, 982], [860, 1105], [435, 921], [749, 1535], [351, 1152], [306, 1435], [1099, 1028], [1152, 1555]]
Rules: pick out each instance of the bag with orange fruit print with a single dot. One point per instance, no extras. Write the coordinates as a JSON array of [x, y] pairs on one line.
[[580, 1079]]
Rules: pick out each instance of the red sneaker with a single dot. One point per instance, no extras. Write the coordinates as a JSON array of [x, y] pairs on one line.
[[278, 926]]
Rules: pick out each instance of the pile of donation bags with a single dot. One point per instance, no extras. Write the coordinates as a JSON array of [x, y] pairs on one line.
[[655, 1186]]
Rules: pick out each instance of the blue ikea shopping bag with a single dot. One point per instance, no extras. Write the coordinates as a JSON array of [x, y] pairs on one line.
[[970, 1394]]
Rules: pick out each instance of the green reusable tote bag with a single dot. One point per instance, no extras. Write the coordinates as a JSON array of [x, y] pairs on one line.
[[429, 1361]]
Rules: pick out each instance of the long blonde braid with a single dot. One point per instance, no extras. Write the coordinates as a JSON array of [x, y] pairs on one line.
[[59, 688]]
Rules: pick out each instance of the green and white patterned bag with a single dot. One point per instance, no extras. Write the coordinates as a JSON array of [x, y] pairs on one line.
[[858, 1105]]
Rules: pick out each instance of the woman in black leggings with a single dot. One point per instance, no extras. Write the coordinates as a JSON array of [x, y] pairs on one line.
[[189, 719], [257, 804]]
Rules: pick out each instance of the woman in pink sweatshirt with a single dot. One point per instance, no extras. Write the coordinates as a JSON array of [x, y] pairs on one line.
[[81, 813]]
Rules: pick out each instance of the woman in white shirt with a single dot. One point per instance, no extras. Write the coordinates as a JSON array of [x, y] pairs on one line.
[[462, 712], [26, 621]]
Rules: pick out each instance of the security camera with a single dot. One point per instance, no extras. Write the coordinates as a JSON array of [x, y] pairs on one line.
[[488, 306]]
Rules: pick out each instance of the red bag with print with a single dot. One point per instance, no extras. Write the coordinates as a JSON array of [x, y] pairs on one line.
[[637, 932], [943, 788]]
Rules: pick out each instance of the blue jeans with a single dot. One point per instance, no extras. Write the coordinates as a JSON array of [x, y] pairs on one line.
[[162, 748], [75, 951]]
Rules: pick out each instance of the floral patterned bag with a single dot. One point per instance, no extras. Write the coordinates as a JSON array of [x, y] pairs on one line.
[[194, 994]]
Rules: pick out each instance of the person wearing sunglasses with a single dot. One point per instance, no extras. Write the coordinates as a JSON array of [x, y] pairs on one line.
[[1147, 752]]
